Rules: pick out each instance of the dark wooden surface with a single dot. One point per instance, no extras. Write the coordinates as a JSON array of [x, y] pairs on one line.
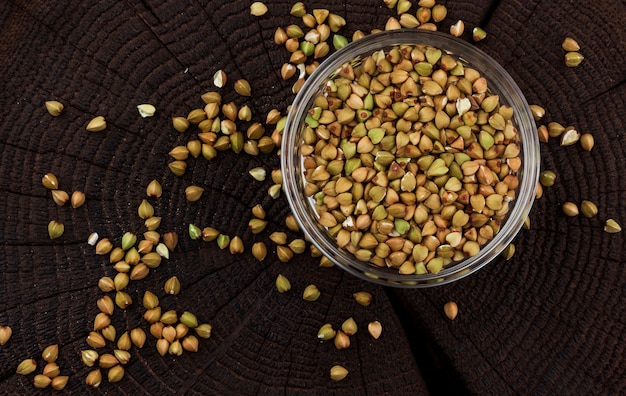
[[549, 321]]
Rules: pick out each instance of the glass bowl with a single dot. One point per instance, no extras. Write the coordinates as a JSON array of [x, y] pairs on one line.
[[303, 204]]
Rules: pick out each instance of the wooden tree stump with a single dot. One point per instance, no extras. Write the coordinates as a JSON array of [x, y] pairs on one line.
[[549, 321]]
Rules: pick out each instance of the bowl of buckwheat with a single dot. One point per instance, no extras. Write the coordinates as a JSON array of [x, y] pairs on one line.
[[410, 158]]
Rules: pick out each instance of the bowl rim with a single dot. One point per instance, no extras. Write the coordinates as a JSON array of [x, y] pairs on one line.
[[500, 82]]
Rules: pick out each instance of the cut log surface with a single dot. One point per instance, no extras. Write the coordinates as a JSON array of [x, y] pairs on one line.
[[548, 321]]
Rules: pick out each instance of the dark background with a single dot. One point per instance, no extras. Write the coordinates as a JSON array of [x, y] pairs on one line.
[[549, 321]]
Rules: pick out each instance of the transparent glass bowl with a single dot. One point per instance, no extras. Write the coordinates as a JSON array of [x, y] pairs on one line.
[[499, 82]]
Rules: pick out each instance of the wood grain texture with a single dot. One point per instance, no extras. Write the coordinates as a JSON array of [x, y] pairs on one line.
[[550, 321]]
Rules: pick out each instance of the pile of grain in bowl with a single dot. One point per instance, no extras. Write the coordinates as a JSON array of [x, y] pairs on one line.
[[409, 159]]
